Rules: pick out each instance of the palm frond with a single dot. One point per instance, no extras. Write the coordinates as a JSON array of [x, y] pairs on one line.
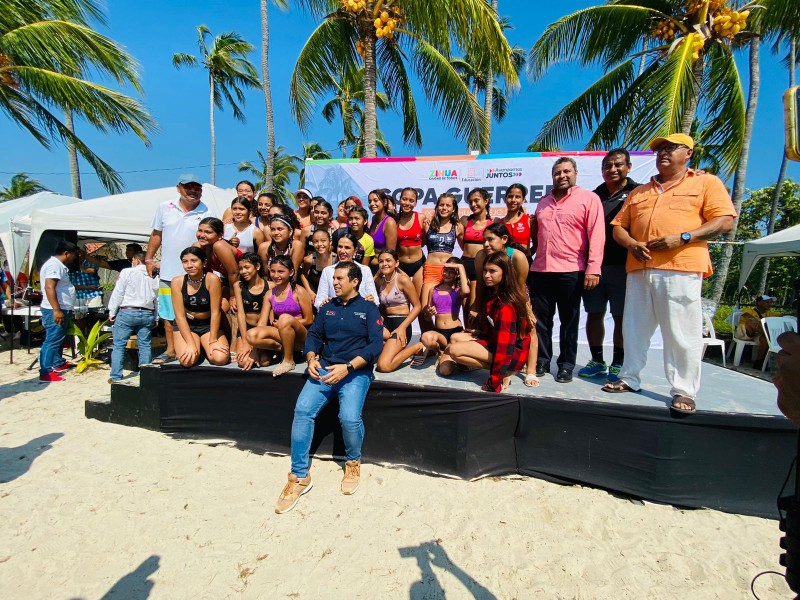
[[394, 79]]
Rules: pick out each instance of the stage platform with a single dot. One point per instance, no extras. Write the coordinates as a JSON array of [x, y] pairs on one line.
[[732, 455]]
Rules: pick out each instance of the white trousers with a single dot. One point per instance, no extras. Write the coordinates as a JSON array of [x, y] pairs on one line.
[[671, 300]]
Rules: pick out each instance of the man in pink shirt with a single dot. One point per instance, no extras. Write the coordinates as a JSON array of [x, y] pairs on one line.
[[568, 236]]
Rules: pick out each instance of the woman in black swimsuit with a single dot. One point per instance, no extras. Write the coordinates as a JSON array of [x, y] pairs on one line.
[[197, 302], [254, 287]]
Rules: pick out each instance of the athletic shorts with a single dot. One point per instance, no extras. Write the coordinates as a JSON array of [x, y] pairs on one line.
[[432, 273], [609, 291], [165, 310]]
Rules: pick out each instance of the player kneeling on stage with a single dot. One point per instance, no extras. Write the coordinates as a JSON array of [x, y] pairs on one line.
[[503, 334], [341, 348]]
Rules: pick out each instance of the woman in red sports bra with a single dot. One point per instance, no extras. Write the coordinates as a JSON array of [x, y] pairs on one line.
[[517, 221], [409, 234], [474, 226]]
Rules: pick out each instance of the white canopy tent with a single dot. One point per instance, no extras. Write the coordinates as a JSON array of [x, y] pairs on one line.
[[781, 243], [15, 224], [125, 216]]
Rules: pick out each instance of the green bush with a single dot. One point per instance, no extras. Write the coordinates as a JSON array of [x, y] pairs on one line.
[[721, 326]]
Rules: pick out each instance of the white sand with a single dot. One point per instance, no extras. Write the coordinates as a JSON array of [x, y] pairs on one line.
[[106, 509]]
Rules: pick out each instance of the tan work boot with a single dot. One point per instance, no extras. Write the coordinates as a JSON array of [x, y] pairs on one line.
[[291, 493], [352, 477]]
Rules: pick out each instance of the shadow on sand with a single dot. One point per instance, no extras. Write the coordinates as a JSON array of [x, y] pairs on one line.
[[15, 461], [430, 554]]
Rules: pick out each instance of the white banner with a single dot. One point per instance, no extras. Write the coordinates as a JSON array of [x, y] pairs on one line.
[[335, 180]]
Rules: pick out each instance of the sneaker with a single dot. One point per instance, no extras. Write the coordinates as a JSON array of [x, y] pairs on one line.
[[65, 367], [613, 372], [292, 491], [51, 377], [352, 477], [594, 369]]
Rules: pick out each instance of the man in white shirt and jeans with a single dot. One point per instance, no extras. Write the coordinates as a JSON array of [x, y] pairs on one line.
[[174, 228], [57, 305], [133, 309]]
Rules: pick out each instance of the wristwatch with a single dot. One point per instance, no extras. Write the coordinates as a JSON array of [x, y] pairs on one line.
[[350, 367], [686, 237]]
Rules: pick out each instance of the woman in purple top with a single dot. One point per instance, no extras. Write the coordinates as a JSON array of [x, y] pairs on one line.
[[289, 315], [383, 228]]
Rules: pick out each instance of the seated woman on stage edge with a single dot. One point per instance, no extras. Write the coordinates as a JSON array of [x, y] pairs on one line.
[[197, 301], [504, 331]]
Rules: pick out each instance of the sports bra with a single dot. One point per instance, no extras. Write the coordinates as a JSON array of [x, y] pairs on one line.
[[378, 236], [246, 243], [394, 297], [447, 303], [252, 303], [288, 306], [474, 236], [198, 302], [441, 242], [272, 253], [412, 236], [218, 268], [313, 276], [520, 231]]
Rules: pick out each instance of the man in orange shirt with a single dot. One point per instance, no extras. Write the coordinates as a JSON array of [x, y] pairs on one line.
[[664, 224]]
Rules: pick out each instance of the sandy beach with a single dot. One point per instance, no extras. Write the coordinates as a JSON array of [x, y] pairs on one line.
[[94, 510]]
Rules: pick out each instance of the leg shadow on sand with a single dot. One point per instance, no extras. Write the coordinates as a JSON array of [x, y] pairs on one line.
[[429, 554]]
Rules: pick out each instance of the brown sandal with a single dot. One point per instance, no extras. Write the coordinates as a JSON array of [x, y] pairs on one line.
[[618, 387], [679, 399]]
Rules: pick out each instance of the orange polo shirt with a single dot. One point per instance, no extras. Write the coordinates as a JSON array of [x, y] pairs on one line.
[[650, 212]]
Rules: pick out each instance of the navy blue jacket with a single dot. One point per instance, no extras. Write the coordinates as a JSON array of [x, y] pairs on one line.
[[341, 332]]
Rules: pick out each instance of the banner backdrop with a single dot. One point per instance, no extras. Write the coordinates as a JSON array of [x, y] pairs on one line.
[[335, 180]]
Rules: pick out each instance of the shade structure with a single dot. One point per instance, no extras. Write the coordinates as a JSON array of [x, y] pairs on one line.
[[782, 243], [15, 229], [125, 216]]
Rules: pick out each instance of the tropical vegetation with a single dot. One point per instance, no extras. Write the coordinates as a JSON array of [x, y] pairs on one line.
[[229, 71], [20, 186], [284, 167], [312, 151], [389, 36], [47, 50]]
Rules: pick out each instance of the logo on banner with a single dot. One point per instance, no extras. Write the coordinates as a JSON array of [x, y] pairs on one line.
[[512, 173], [442, 174], [472, 175]]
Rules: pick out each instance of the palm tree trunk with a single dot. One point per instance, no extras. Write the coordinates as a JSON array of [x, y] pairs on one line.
[[691, 105], [74, 171], [266, 86], [488, 100], [741, 170], [213, 131], [370, 114], [776, 195]]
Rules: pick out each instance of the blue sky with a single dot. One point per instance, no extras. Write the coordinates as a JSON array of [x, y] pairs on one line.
[[153, 30]]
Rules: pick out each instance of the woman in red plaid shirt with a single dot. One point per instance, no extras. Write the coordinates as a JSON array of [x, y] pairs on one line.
[[503, 334]]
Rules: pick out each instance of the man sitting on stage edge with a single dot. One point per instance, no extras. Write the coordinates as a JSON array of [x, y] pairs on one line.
[[342, 346]]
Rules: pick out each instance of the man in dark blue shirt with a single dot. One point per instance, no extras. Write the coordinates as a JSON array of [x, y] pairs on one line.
[[341, 348]]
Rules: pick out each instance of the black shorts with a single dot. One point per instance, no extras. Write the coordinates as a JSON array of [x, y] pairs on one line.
[[197, 327], [392, 322], [448, 333], [610, 291], [469, 268], [411, 268]]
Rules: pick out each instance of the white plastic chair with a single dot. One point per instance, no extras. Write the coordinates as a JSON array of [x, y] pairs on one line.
[[773, 327], [712, 340], [739, 344]]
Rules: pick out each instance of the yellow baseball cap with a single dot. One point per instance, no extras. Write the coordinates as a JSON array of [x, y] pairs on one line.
[[674, 138]]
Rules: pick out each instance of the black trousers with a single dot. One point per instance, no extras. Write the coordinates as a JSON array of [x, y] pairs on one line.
[[557, 291]]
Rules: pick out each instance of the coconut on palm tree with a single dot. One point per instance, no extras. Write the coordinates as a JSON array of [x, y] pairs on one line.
[[388, 35], [284, 167], [47, 50], [229, 71], [689, 65], [21, 185]]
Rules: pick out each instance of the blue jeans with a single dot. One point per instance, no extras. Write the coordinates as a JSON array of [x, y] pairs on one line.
[[352, 391], [54, 336], [131, 321]]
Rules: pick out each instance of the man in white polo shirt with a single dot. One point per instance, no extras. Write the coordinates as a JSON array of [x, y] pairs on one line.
[[57, 305], [174, 228]]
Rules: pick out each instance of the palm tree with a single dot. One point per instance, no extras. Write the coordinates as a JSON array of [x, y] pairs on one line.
[[46, 51], [228, 71], [21, 185], [266, 85], [312, 151], [348, 102], [691, 66], [284, 166], [387, 34], [381, 145]]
